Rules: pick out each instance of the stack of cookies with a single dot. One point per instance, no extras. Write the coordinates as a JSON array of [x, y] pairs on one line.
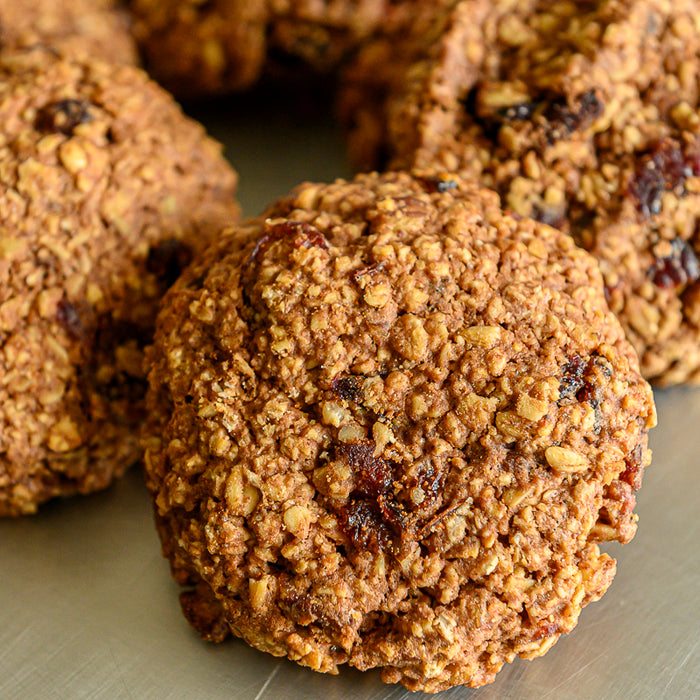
[[390, 421]]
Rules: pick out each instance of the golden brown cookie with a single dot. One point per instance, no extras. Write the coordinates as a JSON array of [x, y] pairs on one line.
[[105, 190], [584, 115], [98, 28], [197, 48], [390, 426]]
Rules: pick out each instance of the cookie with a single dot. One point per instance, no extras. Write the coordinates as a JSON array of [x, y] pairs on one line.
[[389, 426], [105, 190], [581, 115], [98, 28], [196, 48]]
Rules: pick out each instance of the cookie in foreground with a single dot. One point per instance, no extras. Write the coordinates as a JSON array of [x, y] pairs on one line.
[[105, 190], [389, 426], [581, 115]]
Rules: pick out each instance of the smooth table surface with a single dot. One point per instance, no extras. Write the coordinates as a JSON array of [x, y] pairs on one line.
[[88, 608]]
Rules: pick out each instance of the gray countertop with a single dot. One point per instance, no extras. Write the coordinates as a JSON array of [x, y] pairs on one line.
[[88, 608]]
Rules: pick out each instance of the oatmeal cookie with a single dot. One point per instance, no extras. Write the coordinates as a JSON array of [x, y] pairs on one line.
[[583, 115], [389, 426], [105, 187], [98, 28], [196, 48]]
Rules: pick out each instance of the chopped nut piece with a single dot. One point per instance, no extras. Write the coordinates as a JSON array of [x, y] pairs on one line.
[[565, 460]]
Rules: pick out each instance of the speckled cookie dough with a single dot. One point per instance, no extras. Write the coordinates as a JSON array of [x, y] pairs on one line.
[[197, 48], [105, 188], [389, 426], [98, 28], [584, 115]]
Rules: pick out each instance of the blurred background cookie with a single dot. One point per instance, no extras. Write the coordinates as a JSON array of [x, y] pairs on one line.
[[389, 426], [581, 115], [99, 28], [106, 188], [196, 48]]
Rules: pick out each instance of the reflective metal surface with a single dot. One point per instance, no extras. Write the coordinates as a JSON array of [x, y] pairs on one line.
[[88, 608]]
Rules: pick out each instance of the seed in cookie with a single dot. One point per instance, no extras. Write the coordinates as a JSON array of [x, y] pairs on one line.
[[389, 426], [106, 190]]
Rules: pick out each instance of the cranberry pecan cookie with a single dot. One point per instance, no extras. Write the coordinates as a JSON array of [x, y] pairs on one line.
[[105, 186], [197, 48], [389, 426], [98, 28], [583, 115]]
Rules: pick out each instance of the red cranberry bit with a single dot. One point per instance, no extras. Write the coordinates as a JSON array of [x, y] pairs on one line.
[[348, 388], [546, 630], [681, 267], [665, 167], [572, 379], [63, 117], [633, 472], [373, 508], [302, 235], [373, 473], [564, 119], [362, 523]]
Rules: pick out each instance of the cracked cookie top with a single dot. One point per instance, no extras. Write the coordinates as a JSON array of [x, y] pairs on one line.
[[390, 426]]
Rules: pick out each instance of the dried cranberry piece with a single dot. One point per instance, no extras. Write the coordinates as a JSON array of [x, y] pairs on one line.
[[168, 259], [679, 268], [572, 379], [362, 522], [633, 471], [664, 167], [63, 117], [302, 235], [348, 388], [565, 119], [547, 629], [373, 473]]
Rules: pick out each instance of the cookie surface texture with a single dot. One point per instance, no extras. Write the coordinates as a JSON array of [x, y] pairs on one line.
[[582, 115], [389, 427], [96, 28], [105, 188]]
